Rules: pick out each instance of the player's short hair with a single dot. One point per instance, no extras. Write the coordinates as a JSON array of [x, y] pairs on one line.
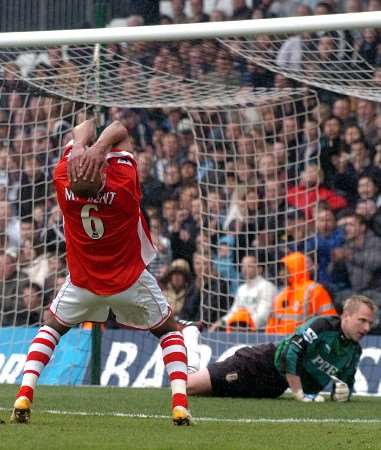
[[353, 302]]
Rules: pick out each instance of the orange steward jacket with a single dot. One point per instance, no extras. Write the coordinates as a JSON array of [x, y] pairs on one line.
[[302, 299]]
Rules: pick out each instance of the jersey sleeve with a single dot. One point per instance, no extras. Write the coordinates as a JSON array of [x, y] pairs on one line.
[[348, 375], [126, 176], [306, 335]]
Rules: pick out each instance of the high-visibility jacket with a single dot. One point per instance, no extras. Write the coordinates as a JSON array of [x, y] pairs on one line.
[[300, 300]]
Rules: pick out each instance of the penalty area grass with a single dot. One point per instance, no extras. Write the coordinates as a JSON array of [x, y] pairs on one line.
[[81, 418]]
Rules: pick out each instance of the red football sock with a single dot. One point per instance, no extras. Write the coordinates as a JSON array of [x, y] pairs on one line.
[[175, 361], [39, 354]]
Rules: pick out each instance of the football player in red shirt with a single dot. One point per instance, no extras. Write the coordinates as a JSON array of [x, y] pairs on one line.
[[108, 249]]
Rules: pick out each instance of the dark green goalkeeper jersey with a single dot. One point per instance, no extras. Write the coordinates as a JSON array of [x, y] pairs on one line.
[[317, 351]]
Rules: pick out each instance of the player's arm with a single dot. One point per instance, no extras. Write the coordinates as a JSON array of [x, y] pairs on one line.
[[293, 354], [342, 385], [83, 135], [93, 160]]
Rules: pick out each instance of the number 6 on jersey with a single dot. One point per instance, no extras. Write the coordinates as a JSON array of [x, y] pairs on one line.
[[92, 225]]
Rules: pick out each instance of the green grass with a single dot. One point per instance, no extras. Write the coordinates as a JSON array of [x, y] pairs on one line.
[[219, 423]]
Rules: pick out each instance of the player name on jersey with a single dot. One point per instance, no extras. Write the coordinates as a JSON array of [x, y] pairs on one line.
[[105, 198]]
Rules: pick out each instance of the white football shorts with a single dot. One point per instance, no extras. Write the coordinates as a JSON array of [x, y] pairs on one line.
[[141, 306]]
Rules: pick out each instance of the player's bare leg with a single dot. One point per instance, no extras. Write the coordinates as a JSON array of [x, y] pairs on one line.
[[175, 361], [39, 354], [199, 383]]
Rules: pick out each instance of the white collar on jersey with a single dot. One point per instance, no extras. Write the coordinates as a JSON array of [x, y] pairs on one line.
[[120, 154]]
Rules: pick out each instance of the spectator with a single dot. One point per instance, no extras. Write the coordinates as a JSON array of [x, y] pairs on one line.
[[352, 133], [224, 72], [33, 261], [152, 188], [240, 10], [224, 262], [172, 181], [172, 153], [290, 55], [182, 243], [360, 160], [170, 208], [361, 257], [176, 285], [9, 226], [367, 209], [53, 235], [137, 129], [368, 48], [159, 266], [342, 111], [197, 11], [196, 66], [34, 185], [304, 196], [329, 237], [218, 15], [300, 300], [32, 310], [188, 171], [178, 11], [253, 300], [368, 190], [331, 145], [56, 277], [310, 148], [298, 235], [366, 114], [174, 115], [216, 300], [12, 282]]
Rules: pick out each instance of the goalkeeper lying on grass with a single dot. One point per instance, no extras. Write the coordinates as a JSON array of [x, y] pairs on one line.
[[325, 348]]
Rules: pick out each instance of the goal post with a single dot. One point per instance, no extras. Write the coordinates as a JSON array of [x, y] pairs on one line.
[[208, 30]]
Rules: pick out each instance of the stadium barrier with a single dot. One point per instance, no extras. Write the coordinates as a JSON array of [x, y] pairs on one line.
[[134, 359]]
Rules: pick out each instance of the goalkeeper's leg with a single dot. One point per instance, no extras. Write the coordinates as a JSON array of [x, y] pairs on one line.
[[39, 354], [191, 334]]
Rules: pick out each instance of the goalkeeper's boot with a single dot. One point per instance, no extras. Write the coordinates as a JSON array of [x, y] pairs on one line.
[[21, 410], [181, 416]]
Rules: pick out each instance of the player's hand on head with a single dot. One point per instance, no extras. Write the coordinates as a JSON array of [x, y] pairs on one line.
[[340, 391], [92, 162], [74, 161]]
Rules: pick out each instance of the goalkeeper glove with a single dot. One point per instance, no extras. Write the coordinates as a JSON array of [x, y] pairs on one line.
[[300, 396], [340, 391]]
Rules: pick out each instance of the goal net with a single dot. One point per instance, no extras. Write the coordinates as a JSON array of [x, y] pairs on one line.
[[327, 60], [34, 127], [254, 150]]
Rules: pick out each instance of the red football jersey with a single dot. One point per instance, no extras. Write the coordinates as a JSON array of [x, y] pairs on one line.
[[108, 243]]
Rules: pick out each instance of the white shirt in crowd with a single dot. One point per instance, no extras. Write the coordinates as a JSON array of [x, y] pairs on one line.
[[257, 297]]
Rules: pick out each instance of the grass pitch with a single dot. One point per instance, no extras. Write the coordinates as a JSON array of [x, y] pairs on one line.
[[80, 418]]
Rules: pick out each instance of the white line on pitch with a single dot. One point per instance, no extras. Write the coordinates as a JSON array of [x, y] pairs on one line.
[[208, 419]]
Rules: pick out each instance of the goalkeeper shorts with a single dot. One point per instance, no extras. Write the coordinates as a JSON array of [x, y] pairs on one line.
[[250, 372]]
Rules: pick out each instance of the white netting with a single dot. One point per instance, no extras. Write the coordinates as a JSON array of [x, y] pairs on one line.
[[33, 129], [251, 158], [252, 150], [110, 77], [326, 60]]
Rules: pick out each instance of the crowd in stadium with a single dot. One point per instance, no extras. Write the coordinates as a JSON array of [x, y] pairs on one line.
[[348, 217]]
